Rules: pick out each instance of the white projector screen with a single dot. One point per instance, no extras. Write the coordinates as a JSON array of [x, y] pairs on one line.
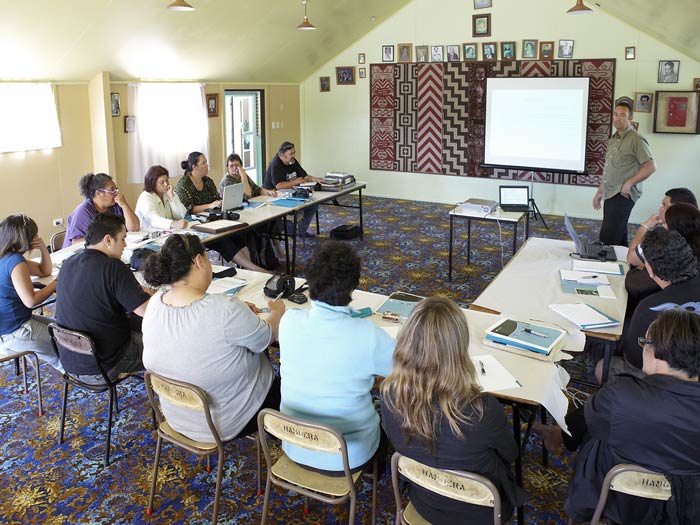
[[536, 123]]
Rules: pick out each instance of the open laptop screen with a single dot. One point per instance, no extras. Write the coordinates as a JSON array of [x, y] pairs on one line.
[[514, 195]]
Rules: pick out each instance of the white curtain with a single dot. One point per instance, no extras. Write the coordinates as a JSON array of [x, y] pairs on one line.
[[28, 117], [171, 121]]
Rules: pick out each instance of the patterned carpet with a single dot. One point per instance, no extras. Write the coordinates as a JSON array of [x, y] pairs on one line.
[[42, 482]]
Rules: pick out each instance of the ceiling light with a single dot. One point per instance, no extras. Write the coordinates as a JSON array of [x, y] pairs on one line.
[[180, 5], [579, 9], [305, 24]]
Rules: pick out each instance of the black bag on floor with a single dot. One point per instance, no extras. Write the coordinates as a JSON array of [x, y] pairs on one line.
[[346, 232], [262, 252]]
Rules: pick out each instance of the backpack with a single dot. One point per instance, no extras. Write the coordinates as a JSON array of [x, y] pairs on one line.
[[262, 252], [346, 232]]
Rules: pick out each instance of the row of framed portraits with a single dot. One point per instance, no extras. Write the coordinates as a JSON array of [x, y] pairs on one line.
[[531, 50]]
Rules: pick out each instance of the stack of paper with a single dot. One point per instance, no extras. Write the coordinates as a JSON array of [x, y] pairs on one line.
[[227, 285], [585, 316], [586, 283], [492, 375]]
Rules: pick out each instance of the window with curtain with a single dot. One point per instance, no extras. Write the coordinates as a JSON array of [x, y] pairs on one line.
[[171, 121], [28, 117]]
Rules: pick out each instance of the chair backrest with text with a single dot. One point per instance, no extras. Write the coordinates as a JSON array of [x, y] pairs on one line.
[[458, 485], [76, 351], [634, 480]]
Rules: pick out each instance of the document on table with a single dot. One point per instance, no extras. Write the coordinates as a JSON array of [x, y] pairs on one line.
[[611, 268], [494, 376], [227, 285]]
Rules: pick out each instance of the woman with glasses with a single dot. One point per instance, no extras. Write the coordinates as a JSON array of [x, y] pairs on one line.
[[652, 421], [101, 195], [433, 411], [198, 192], [159, 207], [216, 342], [19, 329]]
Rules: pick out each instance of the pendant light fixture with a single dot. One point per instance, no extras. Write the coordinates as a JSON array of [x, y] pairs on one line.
[[305, 24], [180, 5], [579, 9]]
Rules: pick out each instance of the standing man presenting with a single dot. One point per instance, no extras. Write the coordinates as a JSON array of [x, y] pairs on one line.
[[628, 162], [283, 173]]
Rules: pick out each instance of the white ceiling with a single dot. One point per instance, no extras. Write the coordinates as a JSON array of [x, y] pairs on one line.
[[234, 40]]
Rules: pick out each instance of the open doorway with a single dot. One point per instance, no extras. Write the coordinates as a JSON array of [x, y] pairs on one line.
[[244, 115]]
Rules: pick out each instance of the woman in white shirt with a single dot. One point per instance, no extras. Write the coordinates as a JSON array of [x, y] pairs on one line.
[[159, 207]]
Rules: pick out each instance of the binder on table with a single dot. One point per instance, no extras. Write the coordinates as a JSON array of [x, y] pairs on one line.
[[584, 316], [610, 268], [399, 303], [526, 336]]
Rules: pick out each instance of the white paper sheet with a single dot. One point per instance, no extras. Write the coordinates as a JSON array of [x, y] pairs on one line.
[[496, 377], [229, 285]]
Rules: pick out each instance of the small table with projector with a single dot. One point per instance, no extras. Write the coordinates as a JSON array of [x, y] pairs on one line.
[[487, 211]]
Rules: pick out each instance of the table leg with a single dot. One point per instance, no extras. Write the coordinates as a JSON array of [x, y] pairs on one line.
[[362, 228], [518, 460], [449, 264], [515, 237], [285, 222], [294, 246], [543, 420], [469, 241], [527, 225]]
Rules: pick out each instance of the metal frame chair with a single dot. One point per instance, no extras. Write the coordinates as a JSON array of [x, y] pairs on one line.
[[77, 354], [634, 480], [56, 240], [458, 485], [194, 398], [22, 357], [289, 475]]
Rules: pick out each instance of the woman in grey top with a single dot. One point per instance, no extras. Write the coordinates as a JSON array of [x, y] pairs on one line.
[[213, 341]]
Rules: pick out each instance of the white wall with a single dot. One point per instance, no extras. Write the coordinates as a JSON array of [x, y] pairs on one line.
[[335, 125]]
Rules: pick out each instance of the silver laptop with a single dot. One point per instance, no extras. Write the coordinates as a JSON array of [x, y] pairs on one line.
[[233, 197], [597, 251]]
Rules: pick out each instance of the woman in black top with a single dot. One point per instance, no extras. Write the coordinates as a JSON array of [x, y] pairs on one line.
[[433, 411]]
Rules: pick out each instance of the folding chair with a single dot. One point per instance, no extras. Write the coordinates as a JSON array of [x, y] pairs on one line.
[[56, 241], [458, 485], [22, 357], [194, 398], [634, 480], [78, 356], [289, 475]]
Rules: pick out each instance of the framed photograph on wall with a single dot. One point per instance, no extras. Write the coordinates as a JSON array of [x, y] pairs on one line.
[[668, 71], [436, 54], [630, 53], [362, 72], [116, 104], [481, 25], [324, 84], [677, 112], [422, 53], [530, 49], [360, 58], [212, 104], [643, 102], [482, 4], [469, 52], [696, 84], [489, 52], [345, 75], [405, 52], [507, 50], [387, 53], [546, 50], [453, 53], [566, 49]]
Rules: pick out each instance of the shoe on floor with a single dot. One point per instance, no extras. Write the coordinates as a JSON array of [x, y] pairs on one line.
[[307, 235]]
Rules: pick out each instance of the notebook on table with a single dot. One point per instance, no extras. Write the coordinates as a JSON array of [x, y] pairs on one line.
[[219, 226]]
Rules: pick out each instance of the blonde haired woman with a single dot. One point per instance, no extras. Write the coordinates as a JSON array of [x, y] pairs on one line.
[[433, 411]]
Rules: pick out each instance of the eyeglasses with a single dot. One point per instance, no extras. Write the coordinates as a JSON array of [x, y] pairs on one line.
[[642, 341], [113, 192]]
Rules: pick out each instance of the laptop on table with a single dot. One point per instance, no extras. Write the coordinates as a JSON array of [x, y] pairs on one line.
[[233, 197], [594, 250], [514, 198]]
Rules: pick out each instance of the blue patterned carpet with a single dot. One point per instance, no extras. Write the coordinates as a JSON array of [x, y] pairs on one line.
[[42, 482]]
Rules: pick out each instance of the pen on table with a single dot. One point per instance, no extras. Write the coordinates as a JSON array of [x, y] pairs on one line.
[[481, 365], [589, 277], [519, 383], [538, 334]]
